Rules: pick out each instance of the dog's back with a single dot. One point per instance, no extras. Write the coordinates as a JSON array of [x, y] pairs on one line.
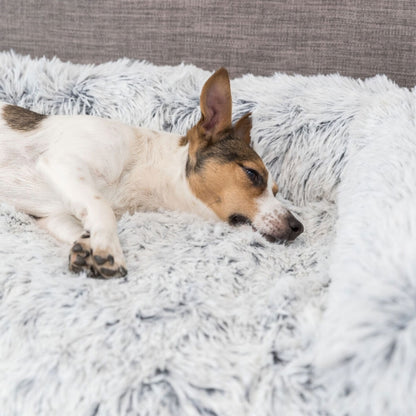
[[27, 139]]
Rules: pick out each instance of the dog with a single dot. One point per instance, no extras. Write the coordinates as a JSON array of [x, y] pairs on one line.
[[77, 174]]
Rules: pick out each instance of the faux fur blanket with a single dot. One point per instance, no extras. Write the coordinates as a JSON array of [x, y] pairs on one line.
[[213, 320]]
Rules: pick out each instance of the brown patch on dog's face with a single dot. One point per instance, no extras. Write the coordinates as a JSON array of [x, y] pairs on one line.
[[229, 177], [18, 118]]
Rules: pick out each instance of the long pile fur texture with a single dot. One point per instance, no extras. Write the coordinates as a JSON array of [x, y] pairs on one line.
[[213, 320]]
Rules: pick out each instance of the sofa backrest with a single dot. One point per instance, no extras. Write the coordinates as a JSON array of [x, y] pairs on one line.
[[357, 38]]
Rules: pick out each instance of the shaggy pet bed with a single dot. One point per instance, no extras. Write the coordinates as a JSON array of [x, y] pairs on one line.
[[213, 320]]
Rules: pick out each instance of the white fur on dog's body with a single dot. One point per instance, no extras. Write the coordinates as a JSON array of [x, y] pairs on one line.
[[134, 168], [93, 170]]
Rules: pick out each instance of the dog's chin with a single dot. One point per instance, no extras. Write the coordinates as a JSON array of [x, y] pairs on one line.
[[272, 239], [269, 237], [238, 219]]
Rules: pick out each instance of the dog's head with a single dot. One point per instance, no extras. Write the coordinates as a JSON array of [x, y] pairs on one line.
[[226, 174]]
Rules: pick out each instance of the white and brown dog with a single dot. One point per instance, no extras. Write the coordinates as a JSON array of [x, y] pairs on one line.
[[77, 174]]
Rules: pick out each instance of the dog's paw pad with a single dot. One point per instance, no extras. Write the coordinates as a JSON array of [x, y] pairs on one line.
[[102, 260], [77, 248], [80, 261], [105, 266], [79, 256]]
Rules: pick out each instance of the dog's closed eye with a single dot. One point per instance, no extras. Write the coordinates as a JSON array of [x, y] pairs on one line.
[[254, 176]]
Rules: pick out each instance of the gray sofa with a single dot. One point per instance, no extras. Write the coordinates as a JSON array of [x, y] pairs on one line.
[[354, 38]]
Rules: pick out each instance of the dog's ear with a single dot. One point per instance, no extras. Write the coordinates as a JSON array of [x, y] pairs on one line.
[[242, 129], [216, 106]]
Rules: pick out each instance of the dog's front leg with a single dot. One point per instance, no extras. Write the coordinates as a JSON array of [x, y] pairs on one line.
[[97, 250]]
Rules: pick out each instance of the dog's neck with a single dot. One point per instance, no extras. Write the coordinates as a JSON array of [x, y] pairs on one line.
[[156, 177]]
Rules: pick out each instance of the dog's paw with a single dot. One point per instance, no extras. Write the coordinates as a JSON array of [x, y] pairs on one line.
[[106, 266], [97, 262], [80, 255]]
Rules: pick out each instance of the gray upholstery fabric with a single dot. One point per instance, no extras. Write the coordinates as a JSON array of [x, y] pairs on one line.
[[359, 38]]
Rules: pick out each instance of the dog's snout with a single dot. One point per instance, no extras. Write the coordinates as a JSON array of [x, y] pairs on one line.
[[295, 227], [276, 222]]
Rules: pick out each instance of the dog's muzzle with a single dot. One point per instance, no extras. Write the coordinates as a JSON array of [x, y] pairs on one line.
[[289, 229]]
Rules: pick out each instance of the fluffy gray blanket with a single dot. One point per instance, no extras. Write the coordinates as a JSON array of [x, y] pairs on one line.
[[213, 320]]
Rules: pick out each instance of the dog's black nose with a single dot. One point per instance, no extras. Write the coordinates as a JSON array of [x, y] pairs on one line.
[[295, 227]]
